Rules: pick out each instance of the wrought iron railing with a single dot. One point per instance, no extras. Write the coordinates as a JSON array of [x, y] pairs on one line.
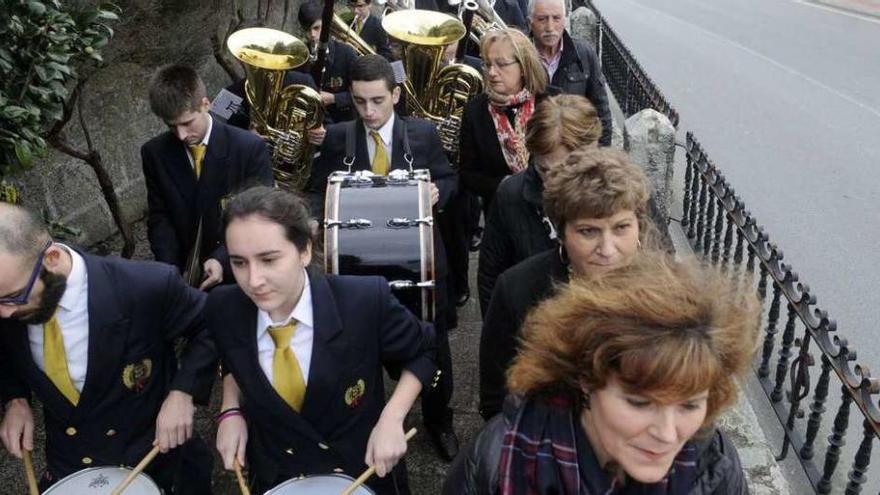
[[721, 230], [631, 86]]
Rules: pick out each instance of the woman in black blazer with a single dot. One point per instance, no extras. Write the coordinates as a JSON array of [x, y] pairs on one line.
[[598, 202]]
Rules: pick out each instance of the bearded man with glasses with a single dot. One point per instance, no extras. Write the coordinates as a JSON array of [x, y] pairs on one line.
[[93, 339]]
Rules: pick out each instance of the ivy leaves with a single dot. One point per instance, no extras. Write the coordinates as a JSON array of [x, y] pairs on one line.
[[42, 43]]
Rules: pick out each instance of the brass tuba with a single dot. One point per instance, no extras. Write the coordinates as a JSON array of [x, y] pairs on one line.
[[434, 92], [282, 115]]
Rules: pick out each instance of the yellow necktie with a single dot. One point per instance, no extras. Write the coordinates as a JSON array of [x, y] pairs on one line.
[[358, 25], [198, 153], [380, 158], [287, 377], [55, 360]]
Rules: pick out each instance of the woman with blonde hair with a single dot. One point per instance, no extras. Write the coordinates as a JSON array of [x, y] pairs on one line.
[[597, 203], [492, 138], [517, 227], [617, 386]]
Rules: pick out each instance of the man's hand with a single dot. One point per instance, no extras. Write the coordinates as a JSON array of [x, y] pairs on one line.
[[387, 444], [232, 440], [17, 429], [327, 98], [213, 274], [435, 194], [174, 426], [316, 135]]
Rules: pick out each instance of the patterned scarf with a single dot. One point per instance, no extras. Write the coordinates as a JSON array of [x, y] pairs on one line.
[[512, 137], [539, 455]]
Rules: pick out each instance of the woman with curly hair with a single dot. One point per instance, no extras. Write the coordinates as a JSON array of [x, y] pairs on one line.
[[616, 388], [597, 202]]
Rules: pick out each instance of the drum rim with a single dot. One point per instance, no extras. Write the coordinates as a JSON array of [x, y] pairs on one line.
[[325, 475], [99, 468]]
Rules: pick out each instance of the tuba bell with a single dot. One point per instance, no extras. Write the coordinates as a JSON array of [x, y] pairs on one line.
[[435, 92], [282, 115]]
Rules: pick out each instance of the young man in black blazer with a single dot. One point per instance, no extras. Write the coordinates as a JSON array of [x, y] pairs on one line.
[[94, 340], [191, 168], [369, 27], [305, 353], [336, 84], [375, 92]]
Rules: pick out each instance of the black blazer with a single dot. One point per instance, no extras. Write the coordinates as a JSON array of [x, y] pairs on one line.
[[374, 34], [337, 80], [517, 291], [481, 162], [235, 159], [427, 151], [136, 311], [359, 329]]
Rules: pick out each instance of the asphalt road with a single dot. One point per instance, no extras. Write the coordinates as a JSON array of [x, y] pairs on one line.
[[784, 97]]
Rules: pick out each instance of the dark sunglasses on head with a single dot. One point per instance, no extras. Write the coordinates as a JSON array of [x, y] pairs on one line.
[[25, 294]]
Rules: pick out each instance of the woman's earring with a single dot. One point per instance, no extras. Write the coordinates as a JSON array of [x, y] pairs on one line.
[[563, 256], [585, 400]]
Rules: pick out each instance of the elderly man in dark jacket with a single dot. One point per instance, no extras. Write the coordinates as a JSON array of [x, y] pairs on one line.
[[571, 63]]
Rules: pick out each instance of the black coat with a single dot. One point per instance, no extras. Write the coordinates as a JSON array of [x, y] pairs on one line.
[[359, 329], [515, 229], [580, 73], [374, 34], [475, 470], [481, 163], [513, 13], [337, 80], [517, 291], [136, 311], [235, 159]]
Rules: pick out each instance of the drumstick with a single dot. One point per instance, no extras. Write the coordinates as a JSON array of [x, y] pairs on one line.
[[29, 472], [136, 471], [371, 470], [241, 485]]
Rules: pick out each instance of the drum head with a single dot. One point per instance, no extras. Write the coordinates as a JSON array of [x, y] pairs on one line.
[[321, 484], [102, 481]]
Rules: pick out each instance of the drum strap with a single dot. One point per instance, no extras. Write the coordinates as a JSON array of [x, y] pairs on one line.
[[350, 141]]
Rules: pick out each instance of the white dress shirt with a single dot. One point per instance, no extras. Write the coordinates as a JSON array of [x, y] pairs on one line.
[[303, 336], [73, 318], [386, 132], [204, 141], [552, 64]]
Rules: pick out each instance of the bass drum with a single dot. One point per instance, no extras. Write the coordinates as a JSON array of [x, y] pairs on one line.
[[321, 484], [378, 225], [102, 481]]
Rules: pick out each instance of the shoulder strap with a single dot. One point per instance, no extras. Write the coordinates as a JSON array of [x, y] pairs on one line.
[[407, 151], [350, 142]]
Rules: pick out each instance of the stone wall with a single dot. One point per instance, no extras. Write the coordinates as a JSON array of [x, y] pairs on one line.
[[150, 34]]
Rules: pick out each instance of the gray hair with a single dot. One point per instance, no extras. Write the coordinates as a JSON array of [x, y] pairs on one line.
[[22, 231], [532, 4]]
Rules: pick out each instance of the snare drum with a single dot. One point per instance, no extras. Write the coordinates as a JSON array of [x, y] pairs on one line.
[[102, 481], [382, 225], [321, 484]]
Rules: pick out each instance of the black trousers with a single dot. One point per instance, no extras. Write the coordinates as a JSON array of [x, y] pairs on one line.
[[435, 399]]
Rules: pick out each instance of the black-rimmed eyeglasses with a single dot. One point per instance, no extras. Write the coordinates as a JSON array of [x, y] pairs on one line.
[[25, 294]]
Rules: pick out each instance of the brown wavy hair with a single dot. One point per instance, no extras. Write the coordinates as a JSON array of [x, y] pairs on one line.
[[595, 183], [562, 120], [665, 330]]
